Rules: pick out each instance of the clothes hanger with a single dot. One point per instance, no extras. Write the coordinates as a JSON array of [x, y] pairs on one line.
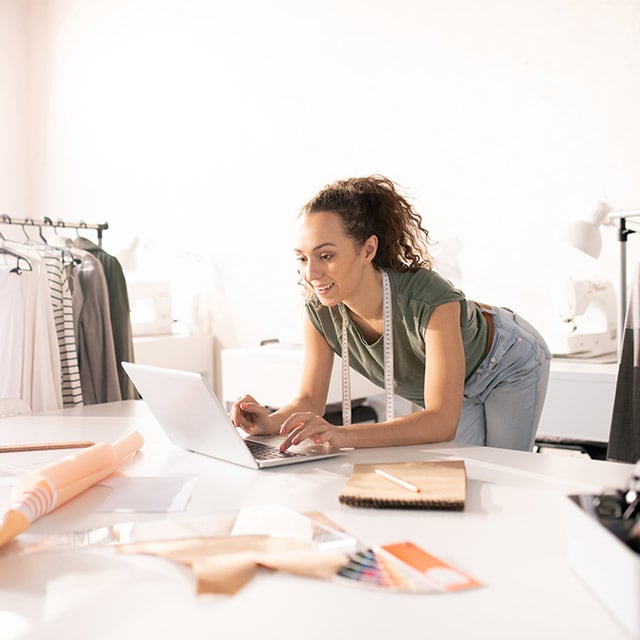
[[46, 221], [31, 222], [32, 241], [5, 219], [17, 269], [82, 225], [6, 251], [65, 251], [58, 244]]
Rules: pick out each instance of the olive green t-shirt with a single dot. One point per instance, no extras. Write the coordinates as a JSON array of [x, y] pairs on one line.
[[415, 294]]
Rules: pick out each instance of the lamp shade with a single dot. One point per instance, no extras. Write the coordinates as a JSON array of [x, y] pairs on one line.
[[584, 236]]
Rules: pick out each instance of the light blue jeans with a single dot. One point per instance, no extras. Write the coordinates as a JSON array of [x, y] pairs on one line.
[[503, 399]]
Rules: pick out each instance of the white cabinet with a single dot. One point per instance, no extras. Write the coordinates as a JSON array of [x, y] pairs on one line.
[[184, 352], [579, 401], [272, 373]]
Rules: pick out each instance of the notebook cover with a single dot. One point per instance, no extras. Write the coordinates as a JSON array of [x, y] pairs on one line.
[[442, 484]]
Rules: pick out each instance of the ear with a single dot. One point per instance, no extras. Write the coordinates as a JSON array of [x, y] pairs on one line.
[[370, 248]]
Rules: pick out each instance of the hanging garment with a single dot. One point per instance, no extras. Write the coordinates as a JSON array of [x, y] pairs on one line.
[[624, 437], [61, 302], [94, 338], [50, 262], [29, 353], [120, 312]]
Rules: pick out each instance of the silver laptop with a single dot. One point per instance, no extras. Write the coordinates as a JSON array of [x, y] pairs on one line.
[[193, 418]]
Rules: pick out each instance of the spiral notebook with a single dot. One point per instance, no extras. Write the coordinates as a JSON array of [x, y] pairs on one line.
[[429, 484]]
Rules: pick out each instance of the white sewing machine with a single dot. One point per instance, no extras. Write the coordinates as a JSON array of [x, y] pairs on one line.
[[587, 311]]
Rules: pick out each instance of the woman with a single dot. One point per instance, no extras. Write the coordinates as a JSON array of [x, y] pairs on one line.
[[479, 373]]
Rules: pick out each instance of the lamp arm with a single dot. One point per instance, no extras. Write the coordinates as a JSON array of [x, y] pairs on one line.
[[615, 215]]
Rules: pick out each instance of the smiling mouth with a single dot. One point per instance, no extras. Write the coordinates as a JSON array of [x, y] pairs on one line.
[[324, 289]]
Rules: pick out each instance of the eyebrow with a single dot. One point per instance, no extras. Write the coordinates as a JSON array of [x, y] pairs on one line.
[[320, 246]]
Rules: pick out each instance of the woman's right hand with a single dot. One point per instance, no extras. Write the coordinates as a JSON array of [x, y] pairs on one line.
[[248, 415]]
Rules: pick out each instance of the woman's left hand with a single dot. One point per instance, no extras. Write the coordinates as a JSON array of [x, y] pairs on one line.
[[310, 426]]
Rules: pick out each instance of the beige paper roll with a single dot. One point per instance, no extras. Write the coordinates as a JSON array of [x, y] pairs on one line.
[[36, 494]]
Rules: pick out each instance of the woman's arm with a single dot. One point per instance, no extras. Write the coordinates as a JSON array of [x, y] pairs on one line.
[[255, 419], [443, 394]]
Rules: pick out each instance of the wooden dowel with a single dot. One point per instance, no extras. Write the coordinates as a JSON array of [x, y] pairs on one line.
[[45, 446]]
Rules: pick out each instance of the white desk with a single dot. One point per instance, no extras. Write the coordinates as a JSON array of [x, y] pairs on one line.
[[511, 536]]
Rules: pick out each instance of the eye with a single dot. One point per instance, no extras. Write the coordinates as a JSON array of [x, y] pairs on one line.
[[300, 259], [326, 257]]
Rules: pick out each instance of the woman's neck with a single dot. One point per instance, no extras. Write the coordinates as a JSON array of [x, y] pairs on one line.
[[365, 308]]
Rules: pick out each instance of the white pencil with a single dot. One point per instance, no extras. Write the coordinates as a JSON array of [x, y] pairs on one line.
[[401, 483]]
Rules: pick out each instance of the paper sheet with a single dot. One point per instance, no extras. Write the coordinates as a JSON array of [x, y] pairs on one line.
[[148, 494], [273, 520]]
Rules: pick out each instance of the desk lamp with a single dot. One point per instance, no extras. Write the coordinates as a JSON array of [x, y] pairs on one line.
[[585, 236]]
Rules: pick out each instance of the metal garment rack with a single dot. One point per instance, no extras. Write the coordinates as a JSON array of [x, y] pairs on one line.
[[58, 224]]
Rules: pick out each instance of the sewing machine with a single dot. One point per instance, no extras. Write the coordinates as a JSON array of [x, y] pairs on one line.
[[587, 312]]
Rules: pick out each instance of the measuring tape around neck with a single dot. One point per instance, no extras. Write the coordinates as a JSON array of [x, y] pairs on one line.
[[387, 349]]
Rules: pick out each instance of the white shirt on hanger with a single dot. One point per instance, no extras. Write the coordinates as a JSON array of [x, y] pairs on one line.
[[28, 342]]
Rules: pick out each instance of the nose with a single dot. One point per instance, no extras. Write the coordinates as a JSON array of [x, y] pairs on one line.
[[312, 269]]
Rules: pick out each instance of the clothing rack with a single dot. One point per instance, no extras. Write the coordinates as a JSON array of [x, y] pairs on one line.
[[58, 224]]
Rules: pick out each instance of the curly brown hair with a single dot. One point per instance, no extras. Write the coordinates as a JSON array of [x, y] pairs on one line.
[[373, 206]]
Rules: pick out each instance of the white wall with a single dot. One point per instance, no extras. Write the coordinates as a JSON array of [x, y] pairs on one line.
[[14, 108], [201, 127]]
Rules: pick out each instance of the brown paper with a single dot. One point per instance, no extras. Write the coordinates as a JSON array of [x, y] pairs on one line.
[[223, 573], [225, 564], [304, 562]]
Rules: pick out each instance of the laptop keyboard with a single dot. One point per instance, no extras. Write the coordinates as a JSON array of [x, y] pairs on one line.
[[262, 451]]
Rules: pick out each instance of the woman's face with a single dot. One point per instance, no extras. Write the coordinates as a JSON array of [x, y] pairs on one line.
[[328, 259]]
